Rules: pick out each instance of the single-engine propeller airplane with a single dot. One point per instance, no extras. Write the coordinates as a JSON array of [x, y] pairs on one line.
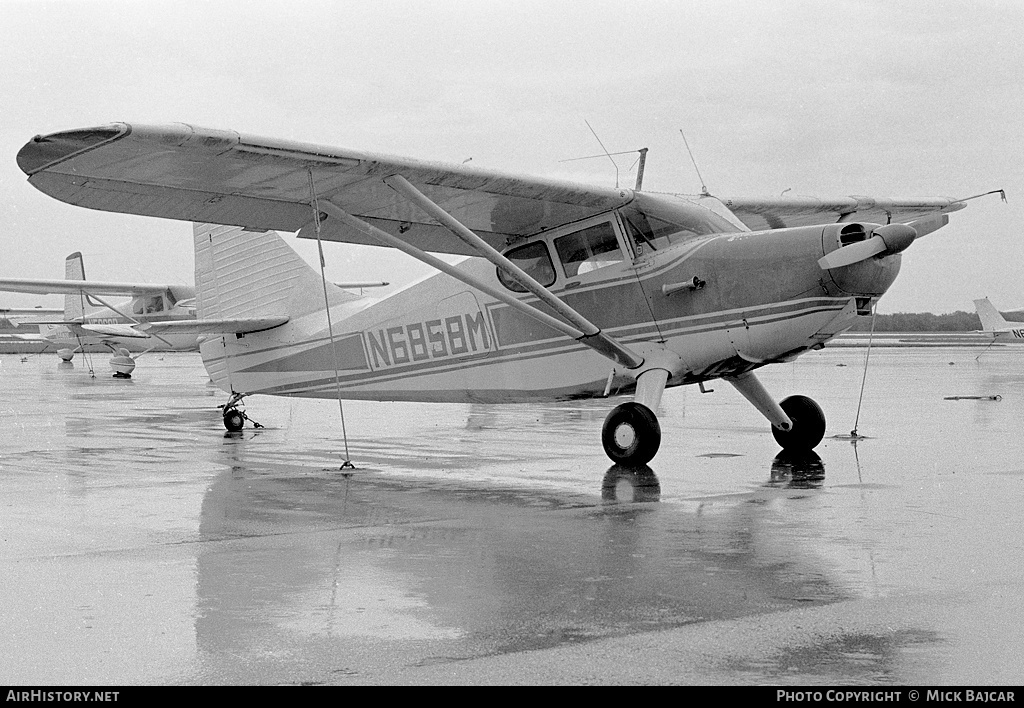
[[993, 322], [88, 318], [574, 291]]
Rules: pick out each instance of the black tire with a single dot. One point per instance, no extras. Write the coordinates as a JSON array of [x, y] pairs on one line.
[[631, 434], [808, 425], [233, 420]]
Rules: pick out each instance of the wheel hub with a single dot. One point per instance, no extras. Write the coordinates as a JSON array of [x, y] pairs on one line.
[[625, 435]]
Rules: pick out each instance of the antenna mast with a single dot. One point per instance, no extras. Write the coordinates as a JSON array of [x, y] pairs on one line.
[[640, 168]]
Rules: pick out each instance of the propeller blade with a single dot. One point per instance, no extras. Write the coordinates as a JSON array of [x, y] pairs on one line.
[[854, 253]]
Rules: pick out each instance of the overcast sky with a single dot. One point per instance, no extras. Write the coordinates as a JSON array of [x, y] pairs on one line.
[[830, 98]]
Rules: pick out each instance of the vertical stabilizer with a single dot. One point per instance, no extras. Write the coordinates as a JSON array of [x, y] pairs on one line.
[[991, 320], [74, 303], [242, 273]]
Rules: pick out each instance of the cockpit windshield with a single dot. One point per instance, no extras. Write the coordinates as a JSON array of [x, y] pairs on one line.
[[660, 220]]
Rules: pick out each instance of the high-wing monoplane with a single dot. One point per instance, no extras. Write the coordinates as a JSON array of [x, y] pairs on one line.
[[993, 322], [89, 318], [573, 291]]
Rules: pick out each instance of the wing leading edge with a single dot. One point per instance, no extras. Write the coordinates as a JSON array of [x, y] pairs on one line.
[[75, 287]]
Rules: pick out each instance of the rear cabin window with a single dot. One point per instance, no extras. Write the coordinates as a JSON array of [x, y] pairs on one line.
[[534, 259], [592, 248]]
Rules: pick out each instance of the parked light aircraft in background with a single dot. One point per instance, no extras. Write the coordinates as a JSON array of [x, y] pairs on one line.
[[992, 322], [575, 291], [88, 318]]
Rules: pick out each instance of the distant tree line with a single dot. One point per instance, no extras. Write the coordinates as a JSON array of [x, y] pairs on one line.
[[958, 321]]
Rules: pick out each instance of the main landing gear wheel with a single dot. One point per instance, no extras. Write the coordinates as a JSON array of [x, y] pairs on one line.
[[234, 419], [808, 424], [631, 434]]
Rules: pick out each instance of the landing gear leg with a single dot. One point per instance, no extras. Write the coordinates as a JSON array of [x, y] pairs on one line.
[[631, 433], [234, 414], [797, 423]]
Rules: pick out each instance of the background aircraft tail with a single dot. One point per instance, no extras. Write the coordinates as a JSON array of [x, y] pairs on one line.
[[990, 317], [74, 303]]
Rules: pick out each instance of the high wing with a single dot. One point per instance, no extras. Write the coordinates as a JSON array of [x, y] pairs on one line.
[[75, 287], [244, 325], [784, 212], [112, 330], [178, 171], [24, 315]]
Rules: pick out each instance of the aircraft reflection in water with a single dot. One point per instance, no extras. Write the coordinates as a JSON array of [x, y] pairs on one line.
[[415, 569], [571, 291], [623, 483], [797, 470]]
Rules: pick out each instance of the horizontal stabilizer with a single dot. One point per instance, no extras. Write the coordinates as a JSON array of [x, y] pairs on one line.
[[242, 325]]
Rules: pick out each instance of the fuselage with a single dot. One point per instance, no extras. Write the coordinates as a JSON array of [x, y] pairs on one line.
[[74, 335], [725, 304]]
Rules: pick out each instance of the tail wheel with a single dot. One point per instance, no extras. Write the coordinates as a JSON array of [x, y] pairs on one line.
[[233, 420], [631, 434], [808, 424]]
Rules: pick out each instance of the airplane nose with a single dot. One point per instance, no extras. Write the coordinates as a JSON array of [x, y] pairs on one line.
[[896, 237]]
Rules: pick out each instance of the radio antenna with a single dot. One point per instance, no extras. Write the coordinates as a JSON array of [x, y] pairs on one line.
[[605, 152], [703, 188], [640, 160]]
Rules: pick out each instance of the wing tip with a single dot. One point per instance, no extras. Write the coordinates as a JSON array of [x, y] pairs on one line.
[[44, 150]]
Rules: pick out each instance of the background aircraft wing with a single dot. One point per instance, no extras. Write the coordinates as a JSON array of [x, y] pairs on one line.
[[16, 312], [783, 212], [74, 287], [213, 326], [114, 330], [179, 171]]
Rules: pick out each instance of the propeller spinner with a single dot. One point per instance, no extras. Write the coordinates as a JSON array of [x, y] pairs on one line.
[[885, 241]]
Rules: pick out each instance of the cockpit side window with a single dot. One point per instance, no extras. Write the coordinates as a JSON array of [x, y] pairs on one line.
[[588, 249], [535, 260], [148, 305]]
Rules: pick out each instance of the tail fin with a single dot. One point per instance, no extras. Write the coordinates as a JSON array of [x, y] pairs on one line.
[[990, 318], [74, 303], [248, 274], [242, 273]]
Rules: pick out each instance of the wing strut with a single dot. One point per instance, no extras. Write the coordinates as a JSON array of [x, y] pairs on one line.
[[591, 333], [126, 316], [336, 212]]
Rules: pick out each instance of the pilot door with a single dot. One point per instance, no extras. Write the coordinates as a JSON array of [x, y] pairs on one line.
[[598, 276]]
